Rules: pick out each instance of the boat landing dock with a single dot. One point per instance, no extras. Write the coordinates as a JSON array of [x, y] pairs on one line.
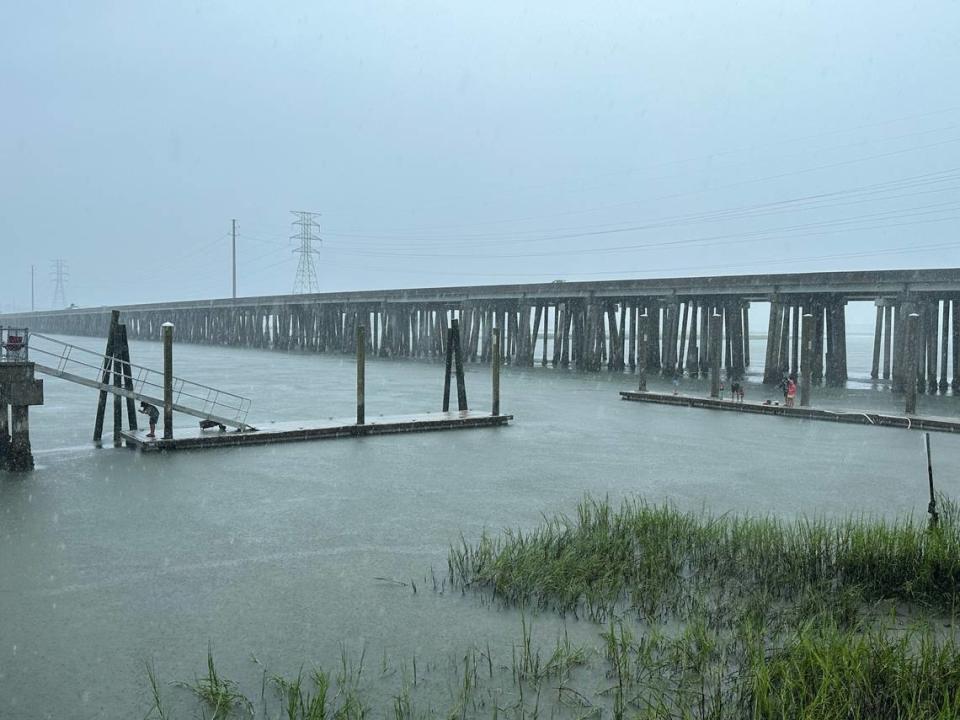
[[859, 417], [267, 433]]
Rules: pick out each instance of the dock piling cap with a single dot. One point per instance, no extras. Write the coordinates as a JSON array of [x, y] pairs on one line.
[[167, 324]]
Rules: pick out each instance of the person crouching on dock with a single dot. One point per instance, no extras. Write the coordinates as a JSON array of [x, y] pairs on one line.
[[151, 410]]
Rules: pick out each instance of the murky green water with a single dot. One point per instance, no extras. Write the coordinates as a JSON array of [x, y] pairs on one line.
[[109, 558]]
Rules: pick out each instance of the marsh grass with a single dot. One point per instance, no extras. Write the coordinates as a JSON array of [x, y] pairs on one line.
[[156, 707], [221, 696], [829, 672], [658, 562], [697, 617]]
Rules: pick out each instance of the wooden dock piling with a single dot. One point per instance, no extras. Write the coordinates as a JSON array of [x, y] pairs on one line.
[[495, 371], [167, 334], [910, 380], [715, 331], [643, 335], [361, 374], [806, 361]]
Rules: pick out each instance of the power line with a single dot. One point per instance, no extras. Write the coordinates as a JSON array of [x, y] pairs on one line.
[[306, 280], [933, 182]]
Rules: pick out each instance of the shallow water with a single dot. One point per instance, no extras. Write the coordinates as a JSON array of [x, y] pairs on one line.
[[109, 557]]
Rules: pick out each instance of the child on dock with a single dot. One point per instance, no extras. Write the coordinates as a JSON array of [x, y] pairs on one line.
[[151, 410]]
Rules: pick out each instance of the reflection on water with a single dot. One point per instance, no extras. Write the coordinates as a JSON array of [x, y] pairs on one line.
[[109, 557]]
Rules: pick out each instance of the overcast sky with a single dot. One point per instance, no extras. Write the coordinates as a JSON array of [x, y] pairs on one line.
[[455, 143]]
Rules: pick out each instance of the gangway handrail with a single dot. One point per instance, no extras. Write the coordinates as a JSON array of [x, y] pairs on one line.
[[224, 406]]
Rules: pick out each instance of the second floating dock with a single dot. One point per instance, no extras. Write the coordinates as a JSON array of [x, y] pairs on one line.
[[859, 417]]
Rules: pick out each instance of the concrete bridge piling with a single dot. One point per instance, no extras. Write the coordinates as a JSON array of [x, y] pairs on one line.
[[587, 325]]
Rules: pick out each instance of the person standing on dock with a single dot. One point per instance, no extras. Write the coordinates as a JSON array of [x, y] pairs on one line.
[[791, 391], [151, 410]]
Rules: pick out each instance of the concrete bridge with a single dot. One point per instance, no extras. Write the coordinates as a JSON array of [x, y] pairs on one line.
[[585, 325]]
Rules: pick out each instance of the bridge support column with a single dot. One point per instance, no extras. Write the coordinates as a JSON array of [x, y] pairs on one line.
[[643, 351]]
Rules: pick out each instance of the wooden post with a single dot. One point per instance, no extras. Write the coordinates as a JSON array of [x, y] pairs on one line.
[[458, 363], [495, 371], [806, 360], [167, 333], [910, 364], [795, 341], [745, 312], [117, 398], [716, 321], [449, 368], [681, 349], [887, 332], [643, 351], [944, 346], [105, 375], [932, 327], [955, 342], [877, 342], [361, 373], [693, 361], [546, 330], [772, 358]]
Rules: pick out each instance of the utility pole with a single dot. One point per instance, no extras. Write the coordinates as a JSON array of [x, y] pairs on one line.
[[306, 280], [60, 276], [32, 276], [234, 233]]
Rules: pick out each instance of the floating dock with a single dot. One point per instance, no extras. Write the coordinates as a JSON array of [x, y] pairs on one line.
[[857, 417], [194, 438]]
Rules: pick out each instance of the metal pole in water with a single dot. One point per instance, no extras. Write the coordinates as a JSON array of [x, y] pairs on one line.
[[806, 360], [932, 507], [495, 369], [167, 333], [361, 373]]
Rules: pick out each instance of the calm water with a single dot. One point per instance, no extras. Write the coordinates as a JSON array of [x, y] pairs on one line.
[[109, 557]]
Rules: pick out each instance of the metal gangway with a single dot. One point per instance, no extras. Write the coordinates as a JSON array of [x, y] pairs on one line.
[[76, 364]]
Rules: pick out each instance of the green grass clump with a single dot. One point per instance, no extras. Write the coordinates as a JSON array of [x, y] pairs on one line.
[[830, 674], [656, 560], [220, 695]]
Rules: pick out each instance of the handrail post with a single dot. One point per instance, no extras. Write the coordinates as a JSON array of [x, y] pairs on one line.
[[167, 330]]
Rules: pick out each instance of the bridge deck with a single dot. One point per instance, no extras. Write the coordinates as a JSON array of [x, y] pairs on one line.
[[858, 417], [189, 438]]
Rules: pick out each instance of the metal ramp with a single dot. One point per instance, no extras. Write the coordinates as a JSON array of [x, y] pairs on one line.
[[85, 367]]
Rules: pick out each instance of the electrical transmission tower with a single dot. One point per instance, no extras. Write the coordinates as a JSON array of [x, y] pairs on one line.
[[59, 275], [306, 280]]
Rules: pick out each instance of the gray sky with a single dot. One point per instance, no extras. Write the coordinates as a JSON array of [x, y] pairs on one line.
[[447, 143]]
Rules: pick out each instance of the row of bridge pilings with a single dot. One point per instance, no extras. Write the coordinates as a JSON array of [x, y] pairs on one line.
[[583, 333]]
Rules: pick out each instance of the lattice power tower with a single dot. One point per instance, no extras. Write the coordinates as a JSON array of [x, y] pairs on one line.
[[306, 280]]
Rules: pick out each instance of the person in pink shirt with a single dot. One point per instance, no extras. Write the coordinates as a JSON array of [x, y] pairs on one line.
[[791, 391]]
